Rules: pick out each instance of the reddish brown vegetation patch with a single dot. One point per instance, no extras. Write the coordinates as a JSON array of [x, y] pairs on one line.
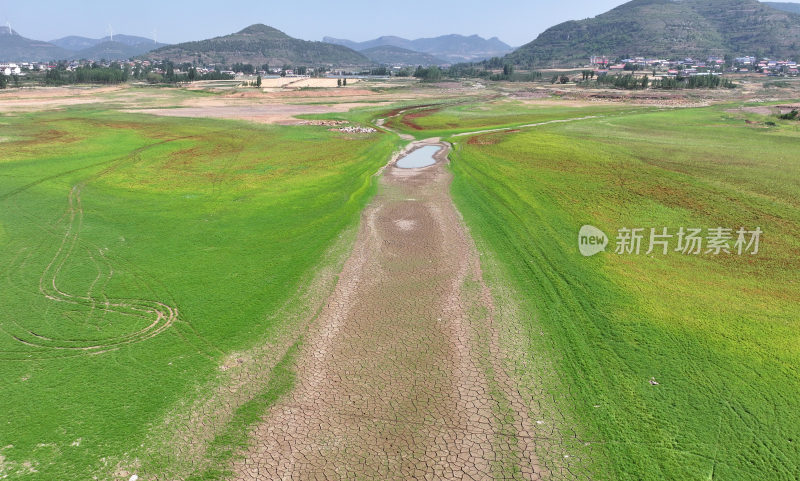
[[400, 110], [408, 120], [485, 139]]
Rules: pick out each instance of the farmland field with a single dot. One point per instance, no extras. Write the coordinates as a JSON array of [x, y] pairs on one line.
[[187, 296]]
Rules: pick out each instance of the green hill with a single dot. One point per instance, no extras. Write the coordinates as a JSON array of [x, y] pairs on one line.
[[389, 55], [668, 29], [258, 45]]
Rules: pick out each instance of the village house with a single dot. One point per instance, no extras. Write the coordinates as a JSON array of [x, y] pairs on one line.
[[10, 69]]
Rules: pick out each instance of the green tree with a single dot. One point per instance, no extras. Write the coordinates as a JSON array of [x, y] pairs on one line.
[[258, 81], [53, 77], [3, 81], [431, 74], [339, 82]]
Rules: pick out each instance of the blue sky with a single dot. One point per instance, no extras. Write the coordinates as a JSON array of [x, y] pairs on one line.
[[515, 22]]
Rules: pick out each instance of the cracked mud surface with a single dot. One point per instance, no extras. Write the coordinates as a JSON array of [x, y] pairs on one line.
[[401, 376]]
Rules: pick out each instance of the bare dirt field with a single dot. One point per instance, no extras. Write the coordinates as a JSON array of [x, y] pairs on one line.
[[274, 113], [750, 88], [392, 381], [264, 106], [296, 83], [38, 99]]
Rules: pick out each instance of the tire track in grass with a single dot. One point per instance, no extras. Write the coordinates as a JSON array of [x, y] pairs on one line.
[[156, 316]]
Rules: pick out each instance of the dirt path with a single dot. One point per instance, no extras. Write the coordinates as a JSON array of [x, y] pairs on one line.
[[538, 124], [400, 377]]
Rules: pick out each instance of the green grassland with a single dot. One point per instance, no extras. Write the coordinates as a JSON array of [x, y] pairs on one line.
[[113, 228], [140, 253], [447, 118], [718, 333]]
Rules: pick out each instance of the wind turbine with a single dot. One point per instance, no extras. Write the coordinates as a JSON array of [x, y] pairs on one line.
[[110, 33], [155, 35]]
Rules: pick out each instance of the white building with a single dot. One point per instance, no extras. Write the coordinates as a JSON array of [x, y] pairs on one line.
[[10, 69]]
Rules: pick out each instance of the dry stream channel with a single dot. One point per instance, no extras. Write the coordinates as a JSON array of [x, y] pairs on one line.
[[401, 376]]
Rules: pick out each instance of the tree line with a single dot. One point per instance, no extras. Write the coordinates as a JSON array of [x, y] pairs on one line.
[[115, 73], [4, 80], [89, 74], [632, 82]]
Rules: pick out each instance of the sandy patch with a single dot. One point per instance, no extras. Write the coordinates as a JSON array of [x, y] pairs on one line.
[[296, 83], [323, 93], [405, 224], [276, 82]]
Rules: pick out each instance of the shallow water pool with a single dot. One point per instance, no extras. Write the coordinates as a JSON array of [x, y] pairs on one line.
[[422, 157]]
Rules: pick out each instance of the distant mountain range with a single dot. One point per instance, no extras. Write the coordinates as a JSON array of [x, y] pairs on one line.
[[114, 50], [14, 47], [258, 45], [669, 28], [75, 43], [396, 56], [653, 28], [450, 48]]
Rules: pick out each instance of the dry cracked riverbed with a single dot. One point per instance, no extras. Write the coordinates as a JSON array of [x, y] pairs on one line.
[[401, 375]]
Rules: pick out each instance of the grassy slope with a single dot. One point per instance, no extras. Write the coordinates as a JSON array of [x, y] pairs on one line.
[[247, 210], [453, 117], [719, 334]]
